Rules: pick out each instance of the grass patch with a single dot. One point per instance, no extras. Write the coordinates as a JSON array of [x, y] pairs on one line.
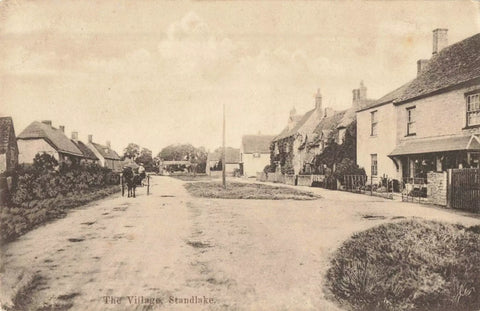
[[198, 177], [409, 265], [236, 190]]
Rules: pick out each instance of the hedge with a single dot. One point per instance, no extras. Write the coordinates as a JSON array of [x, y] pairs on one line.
[[17, 220]]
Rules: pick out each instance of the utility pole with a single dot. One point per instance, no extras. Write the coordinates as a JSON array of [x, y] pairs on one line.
[[224, 183]]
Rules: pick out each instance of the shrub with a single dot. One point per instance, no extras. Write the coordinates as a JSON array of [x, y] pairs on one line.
[[410, 265]]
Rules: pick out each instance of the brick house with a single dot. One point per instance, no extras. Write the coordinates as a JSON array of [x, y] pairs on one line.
[[107, 157], [42, 137], [8, 145], [431, 123], [255, 153]]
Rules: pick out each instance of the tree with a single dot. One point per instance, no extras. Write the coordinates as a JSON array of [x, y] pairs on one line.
[[145, 158], [132, 151], [185, 152]]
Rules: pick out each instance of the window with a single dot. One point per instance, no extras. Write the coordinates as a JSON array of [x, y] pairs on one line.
[[473, 109], [373, 121], [411, 128], [374, 164]]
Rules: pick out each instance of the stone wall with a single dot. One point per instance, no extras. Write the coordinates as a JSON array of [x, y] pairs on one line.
[[290, 179], [304, 180], [437, 188]]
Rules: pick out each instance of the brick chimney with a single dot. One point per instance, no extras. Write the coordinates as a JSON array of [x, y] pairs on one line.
[[440, 39], [90, 138], [75, 136], [293, 112], [318, 103], [108, 144], [47, 122], [62, 128], [421, 66], [359, 96]]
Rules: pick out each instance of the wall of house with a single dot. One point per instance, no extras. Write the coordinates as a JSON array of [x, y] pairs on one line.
[[382, 144], [438, 115], [28, 149], [252, 165], [437, 188]]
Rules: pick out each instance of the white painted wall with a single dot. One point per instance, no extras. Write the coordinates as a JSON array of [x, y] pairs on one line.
[[252, 165], [28, 148], [382, 144]]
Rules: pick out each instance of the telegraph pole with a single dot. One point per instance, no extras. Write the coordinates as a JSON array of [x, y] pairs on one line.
[[224, 183]]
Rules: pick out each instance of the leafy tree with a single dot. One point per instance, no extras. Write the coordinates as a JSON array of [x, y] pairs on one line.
[[146, 159], [132, 151], [185, 152]]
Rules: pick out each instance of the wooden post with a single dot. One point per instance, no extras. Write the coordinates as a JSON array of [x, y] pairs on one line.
[[123, 184], [224, 183], [148, 184]]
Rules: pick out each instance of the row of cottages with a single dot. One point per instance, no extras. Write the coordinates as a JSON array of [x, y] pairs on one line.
[[254, 153], [431, 123], [294, 150], [42, 137]]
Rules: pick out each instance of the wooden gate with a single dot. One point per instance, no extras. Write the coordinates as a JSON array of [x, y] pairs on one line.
[[464, 189]]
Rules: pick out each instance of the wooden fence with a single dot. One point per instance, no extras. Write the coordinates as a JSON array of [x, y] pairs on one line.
[[464, 189]]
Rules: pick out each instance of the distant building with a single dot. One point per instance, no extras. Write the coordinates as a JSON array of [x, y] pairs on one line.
[[8, 145], [107, 157], [232, 161], [42, 137], [255, 153]]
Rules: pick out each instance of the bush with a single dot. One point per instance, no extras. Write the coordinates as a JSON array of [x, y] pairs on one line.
[[410, 265], [347, 167]]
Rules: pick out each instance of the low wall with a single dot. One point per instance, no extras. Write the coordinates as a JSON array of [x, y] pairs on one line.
[[261, 176], [290, 179], [437, 188], [305, 180]]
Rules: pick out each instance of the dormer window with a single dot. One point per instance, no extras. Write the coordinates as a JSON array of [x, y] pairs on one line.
[[473, 109]]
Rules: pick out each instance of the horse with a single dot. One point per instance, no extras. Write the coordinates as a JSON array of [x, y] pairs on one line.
[[131, 180]]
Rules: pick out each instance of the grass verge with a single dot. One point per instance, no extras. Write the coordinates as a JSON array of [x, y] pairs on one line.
[[197, 177], [236, 190], [409, 265]]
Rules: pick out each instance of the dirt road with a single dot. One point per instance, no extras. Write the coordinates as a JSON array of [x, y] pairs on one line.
[[235, 254]]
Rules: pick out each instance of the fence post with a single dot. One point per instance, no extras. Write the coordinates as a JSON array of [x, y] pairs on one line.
[[148, 184], [449, 188], [123, 184]]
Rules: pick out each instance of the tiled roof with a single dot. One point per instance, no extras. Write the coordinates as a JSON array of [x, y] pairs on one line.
[[328, 125], [441, 144], [232, 155], [106, 152], [87, 153], [6, 129], [257, 143], [55, 137], [387, 98], [289, 132], [455, 64]]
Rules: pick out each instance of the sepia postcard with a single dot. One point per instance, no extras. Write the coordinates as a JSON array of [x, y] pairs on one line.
[[239, 155]]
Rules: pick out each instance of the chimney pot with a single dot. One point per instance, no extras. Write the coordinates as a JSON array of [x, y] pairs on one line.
[[47, 122], [440, 39], [62, 128], [90, 138], [75, 135], [108, 144]]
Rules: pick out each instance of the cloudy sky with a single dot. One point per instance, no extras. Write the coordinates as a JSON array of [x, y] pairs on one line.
[[157, 73]]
